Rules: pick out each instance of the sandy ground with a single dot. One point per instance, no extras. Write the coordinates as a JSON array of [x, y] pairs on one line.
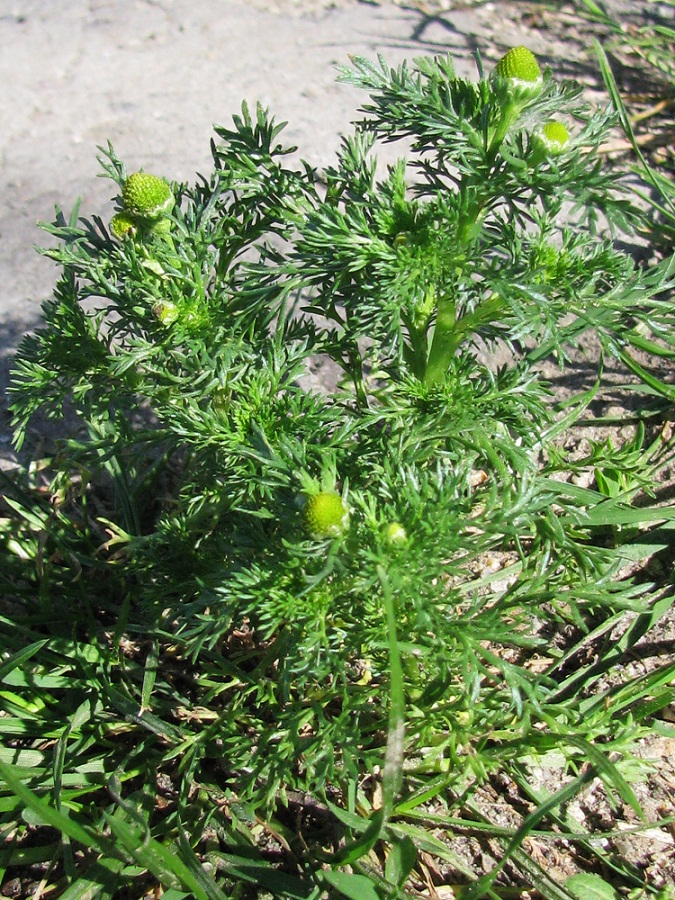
[[153, 76]]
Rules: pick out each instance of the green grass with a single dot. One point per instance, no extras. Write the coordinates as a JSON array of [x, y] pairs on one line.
[[91, 723], [115, 778]]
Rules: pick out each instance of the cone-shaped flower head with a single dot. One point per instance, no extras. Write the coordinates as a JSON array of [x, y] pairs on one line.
[[325, 516], [517, 75], [146, 196], [550, 138], [123, 225], [519, 63]]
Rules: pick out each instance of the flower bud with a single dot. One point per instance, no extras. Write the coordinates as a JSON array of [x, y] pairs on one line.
[[165, 312], [395, 534], [519, 63], [325, 516], [517, 76], [549, 140], [146, 196], [123, 225]]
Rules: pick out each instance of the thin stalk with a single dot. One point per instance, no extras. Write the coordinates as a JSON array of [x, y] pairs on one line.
[[393, 766], [449, 331], [509, 112], [392, 776], [416, 351]]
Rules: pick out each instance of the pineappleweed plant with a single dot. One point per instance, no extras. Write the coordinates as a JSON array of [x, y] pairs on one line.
[[284, 588]]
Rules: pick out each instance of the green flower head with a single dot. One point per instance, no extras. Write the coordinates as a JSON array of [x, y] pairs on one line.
[[325, 516], [166, 312], [395, 534], [552, 137], [519, 64], [123, 225], [146, 196], [517, 76]]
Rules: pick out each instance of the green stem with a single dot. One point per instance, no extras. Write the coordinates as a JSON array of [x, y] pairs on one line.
[[444, 342], [471, 208], [449, 332], [452, 332], [509, 113], [416, 350], [356, 372], [392, 777]]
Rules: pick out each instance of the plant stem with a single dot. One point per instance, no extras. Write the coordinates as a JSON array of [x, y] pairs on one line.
[[393, 767], [448, 330], [509, 112], [444, 342]]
